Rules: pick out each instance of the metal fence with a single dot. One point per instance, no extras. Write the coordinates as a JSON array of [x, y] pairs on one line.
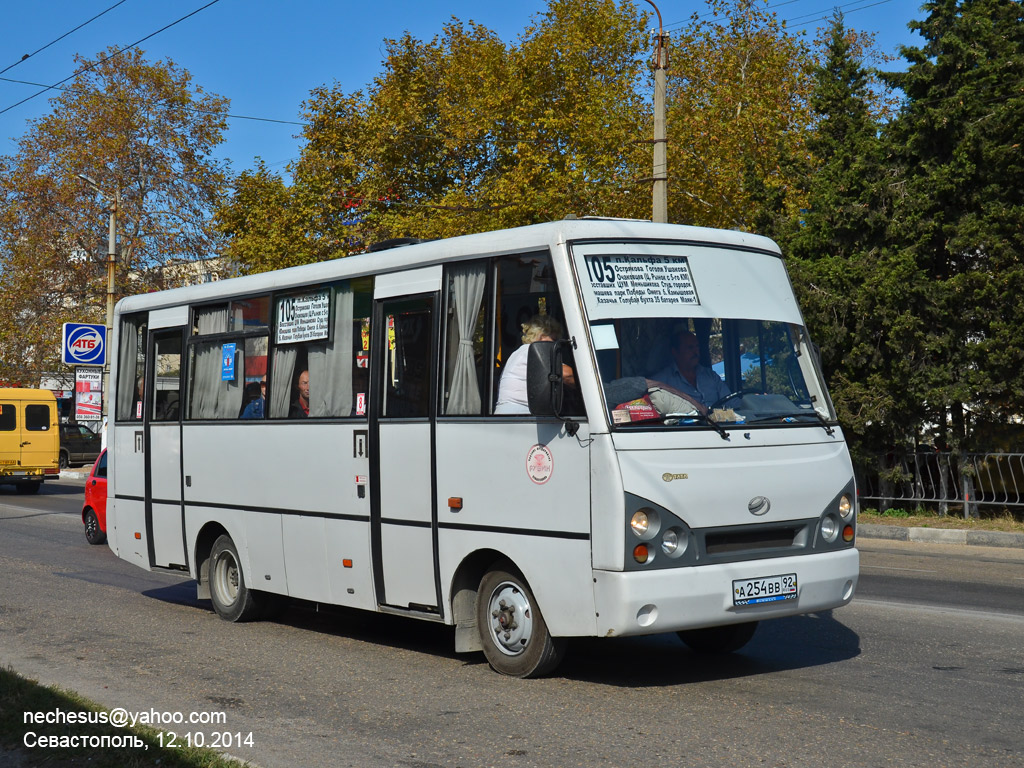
[[955, 484]]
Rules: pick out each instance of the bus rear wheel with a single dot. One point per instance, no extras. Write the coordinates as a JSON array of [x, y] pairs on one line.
[[718, 640], [515, 636], [231, 598]]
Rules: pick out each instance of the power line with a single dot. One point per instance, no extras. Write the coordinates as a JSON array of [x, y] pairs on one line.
[[71, 89], [806, 16], [57, 40], [116, 53], [839, 8]]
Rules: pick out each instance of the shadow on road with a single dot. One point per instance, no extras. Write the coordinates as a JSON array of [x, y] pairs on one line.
[[798, 642], [47, 489]]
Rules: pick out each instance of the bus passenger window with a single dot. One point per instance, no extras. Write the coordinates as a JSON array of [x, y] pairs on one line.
[[528, 307], [321, 352], [410, 333], [131, 366], [465, 339]]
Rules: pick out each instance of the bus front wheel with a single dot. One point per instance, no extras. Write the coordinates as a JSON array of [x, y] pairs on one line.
[[231, 598], [718, 640], [515, 636]]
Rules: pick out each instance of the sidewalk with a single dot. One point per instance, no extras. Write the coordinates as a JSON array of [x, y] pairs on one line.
[[941, 535]]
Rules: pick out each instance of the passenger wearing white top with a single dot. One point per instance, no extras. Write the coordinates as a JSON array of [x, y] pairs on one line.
[[512, 388]]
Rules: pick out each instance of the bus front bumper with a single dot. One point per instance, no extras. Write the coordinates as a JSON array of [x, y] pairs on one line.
[[673, 599]]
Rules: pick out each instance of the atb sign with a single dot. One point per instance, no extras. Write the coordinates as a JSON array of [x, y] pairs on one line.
[[84, 344]]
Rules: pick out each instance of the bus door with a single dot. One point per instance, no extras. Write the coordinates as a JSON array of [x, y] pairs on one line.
[[165, 513], [402, 466]]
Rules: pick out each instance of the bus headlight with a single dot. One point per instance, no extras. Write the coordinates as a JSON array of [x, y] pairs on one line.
[[645, 523], [640, 523], [845, 507]]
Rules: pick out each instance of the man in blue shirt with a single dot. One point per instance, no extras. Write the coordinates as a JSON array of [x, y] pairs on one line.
[[686, 374]]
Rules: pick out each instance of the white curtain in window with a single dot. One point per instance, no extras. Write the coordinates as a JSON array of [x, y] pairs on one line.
[[281, 382], [126, 363], [206, 381], [468, 282], [330, 363]]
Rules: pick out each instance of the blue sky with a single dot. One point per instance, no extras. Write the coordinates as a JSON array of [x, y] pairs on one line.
[[266, 55]]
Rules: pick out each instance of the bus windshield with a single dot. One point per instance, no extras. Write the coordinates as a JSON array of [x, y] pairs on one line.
[[687, 335], [683, 371]]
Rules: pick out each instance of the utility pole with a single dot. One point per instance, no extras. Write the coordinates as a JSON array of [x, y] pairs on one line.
[[111, 266], [659, 205]]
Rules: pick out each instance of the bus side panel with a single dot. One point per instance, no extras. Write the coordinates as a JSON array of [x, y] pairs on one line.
[[306, 555], [349, 565], [303, 479], [608, 512], [126, 490], [525, 490], [557, 571], [126, 529], [257, 537]]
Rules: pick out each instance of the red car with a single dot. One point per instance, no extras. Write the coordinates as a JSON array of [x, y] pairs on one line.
[[94, 511]]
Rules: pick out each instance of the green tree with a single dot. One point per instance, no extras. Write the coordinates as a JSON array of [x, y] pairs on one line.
[[959, 171], [461, 134], [144, 134], [862, 300], [738, 115]]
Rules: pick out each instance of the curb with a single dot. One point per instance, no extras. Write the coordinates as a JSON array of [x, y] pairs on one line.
[[942, 536]]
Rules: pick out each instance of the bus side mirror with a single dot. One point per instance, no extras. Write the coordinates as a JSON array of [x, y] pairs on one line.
[[544, 377]]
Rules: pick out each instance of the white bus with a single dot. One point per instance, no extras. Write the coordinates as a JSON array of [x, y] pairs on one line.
[[609, 506]]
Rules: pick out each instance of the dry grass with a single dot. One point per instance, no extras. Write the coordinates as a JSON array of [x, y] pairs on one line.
[[990, 521]]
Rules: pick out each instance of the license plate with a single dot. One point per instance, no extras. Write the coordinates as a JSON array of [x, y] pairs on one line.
[[764, 589]]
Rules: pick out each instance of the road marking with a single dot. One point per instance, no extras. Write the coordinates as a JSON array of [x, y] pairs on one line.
[[891, 568]]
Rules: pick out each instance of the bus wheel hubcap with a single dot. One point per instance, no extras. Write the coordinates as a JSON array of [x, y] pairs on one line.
[[511, 618]]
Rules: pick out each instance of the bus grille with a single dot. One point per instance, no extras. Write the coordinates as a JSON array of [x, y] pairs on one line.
[[757, 541]]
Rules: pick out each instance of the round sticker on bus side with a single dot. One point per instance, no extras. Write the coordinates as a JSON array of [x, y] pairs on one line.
[[540, 464]]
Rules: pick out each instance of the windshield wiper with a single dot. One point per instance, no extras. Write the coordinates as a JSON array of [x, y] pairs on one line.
[[792, 416], [671, 419], [822, 421], [706, 418]]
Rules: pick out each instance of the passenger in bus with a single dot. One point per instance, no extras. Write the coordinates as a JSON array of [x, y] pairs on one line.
[[168, 409], [300, 407], [253, 403], [687, 375], [512, 387]]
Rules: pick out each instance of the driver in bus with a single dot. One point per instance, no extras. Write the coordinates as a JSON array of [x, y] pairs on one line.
[[686, 374]]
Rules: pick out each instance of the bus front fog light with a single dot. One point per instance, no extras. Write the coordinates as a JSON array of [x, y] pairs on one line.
[[829, 529], [642, 554], [848, 533]]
